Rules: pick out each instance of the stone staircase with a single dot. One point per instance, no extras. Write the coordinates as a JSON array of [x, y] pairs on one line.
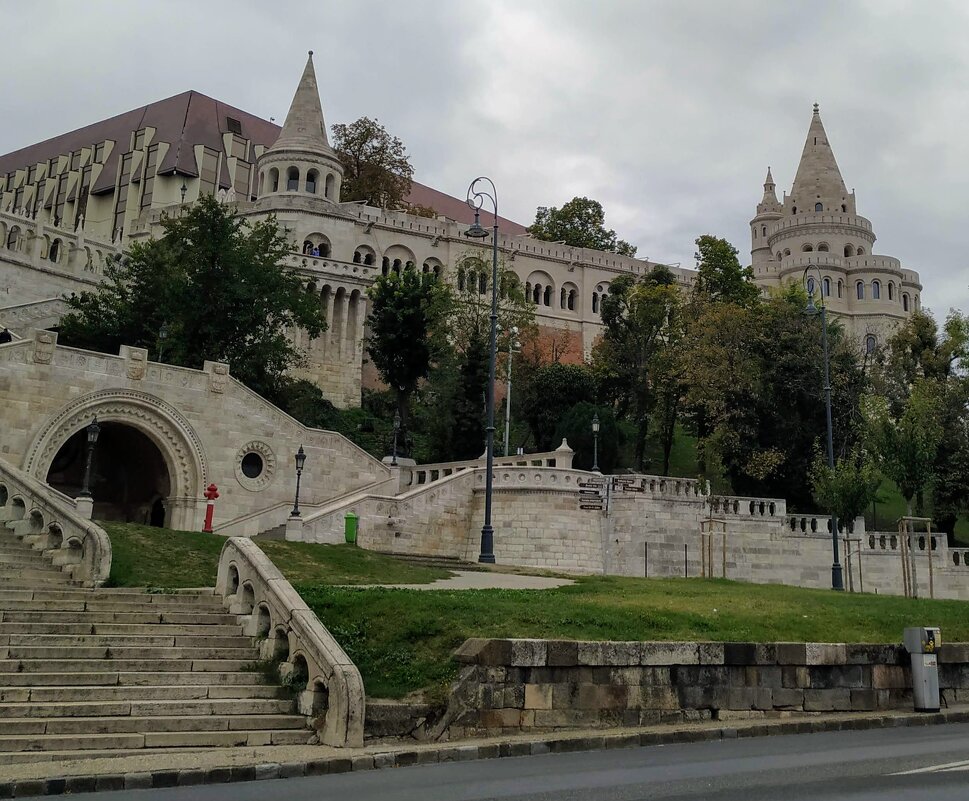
[[91, 673]]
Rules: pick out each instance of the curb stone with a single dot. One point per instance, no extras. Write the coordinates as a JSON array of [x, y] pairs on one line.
[[449, 752]]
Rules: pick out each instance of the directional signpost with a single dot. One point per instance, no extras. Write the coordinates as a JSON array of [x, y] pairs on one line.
[[592, 494]]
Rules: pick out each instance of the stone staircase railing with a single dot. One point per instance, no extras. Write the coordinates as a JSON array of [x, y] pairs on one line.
[[416, 475], [51, 522], [333, 695], [36, 314]]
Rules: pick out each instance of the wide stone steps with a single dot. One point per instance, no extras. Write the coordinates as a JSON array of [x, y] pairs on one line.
[[115, 671], [128, 692], [128, 678], [160, 739], [14, 667], [225, 707], [164, 630]]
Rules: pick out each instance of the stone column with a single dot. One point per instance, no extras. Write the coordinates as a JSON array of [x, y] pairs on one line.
[[342, 343]]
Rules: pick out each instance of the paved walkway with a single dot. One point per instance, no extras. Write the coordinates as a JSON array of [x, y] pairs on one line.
[[485, 580]]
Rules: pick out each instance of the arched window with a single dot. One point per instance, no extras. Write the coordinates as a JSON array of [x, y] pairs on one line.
[[807, 248], [595, 302], [396, 266], [793, 209], [876, 290], [312, 177], [330, 186], [482, 283], [461, 279], [823, 247], [787, 251], [844, 208], [779, 255], [870, 344], [274, 180], [472, 281], [810, 285], [573, 294], [826, 287], [537, 294], [891, 290], [861, 251], [437, 272], [409, 266], [528, 290], [755, 233], [357, 258], [563, 295], [55, 250], [840, 287], [860, 290], [385, 266], [764, 230], [849, 251], [369, 259], [905, 301], [547, 300], [292, 179], [307, 248], [818, 207]]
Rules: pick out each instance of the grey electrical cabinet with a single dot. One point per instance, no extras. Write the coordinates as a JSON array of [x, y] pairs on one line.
[[923, 644]]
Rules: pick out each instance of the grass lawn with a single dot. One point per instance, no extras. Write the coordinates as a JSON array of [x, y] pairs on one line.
[[155, 557], [402, 640]]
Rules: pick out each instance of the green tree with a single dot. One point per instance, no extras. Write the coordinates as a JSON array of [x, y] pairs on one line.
[[217, 284], [551, 392], [720, 276], [634, 358], [907, 443], [756, 375], [576, 427], [581, 223], [847, 489], [407, 316], [376, 167]]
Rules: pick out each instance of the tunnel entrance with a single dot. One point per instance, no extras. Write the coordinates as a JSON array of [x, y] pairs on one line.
[[130, 481]]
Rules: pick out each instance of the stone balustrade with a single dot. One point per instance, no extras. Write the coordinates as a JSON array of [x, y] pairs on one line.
[[55, 524], [38, 314], [310, 660], [821, 524], [417, 475], [730, 505]]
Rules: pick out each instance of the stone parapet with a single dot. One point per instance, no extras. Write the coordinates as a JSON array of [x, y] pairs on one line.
[[533, 685]]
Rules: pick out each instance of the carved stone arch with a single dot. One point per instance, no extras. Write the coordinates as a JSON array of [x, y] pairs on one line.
[[163, 424]]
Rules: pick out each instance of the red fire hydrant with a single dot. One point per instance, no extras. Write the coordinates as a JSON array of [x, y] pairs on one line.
[[211, 493]]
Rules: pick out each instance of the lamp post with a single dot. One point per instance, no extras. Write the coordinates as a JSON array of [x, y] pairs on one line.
[[183, 191], [92, 431], [476, 198], [513, 346], [595, 442], [162, 336], [300, 461], [837, 578], [393, 461]]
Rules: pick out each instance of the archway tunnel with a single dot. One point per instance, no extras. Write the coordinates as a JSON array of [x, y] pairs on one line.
[[129, 482]]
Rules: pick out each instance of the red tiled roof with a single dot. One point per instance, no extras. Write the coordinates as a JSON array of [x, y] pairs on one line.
[[190, 119]]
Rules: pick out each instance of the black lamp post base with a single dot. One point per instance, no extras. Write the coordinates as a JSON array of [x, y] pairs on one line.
[[487, 555], [837, 577]]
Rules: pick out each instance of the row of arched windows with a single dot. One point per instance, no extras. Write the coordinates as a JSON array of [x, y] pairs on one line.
[[311, 182], [860, 290], [387, 266], [821, 247]]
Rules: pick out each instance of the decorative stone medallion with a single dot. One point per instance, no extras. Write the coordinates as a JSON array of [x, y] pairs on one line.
[[255, 466]]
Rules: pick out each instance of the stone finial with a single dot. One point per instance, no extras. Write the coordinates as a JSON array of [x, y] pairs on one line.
[[816, 109], [564, 446]]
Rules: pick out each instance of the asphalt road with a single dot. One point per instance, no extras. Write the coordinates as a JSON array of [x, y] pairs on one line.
[[822, 767]]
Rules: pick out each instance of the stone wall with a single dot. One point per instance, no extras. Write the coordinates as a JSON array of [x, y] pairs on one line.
[[529, 685]]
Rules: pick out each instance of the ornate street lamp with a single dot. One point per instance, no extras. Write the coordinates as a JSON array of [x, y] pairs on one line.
[[513, 347], [183, 190], [595, 443], [396, 433], [476, 199], [92, 431], [837, 578], [162, 336], [300, 461]]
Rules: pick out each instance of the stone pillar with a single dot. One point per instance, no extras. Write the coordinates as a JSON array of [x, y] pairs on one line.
[[342, 343], [328, 335], [294, 529]]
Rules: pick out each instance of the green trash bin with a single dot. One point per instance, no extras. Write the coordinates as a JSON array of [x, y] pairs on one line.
[[350, 527]]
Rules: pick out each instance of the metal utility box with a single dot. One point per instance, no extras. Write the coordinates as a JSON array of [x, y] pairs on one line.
[[923, 644]]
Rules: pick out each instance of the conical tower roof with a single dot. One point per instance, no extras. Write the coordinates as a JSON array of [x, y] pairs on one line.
[[769, 203], [305, 129], [818, 178]]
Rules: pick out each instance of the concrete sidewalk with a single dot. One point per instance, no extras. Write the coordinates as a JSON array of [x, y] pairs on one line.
[[214, 766]]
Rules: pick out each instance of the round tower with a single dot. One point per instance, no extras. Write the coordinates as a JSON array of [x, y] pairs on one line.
[[301, 160], [769, 211]]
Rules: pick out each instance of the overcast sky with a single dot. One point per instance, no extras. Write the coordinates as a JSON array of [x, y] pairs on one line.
[[668, 113]]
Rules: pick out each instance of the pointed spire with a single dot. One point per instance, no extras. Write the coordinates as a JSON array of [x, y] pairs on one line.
[[769, 203], [769, 181], [818, 179], [305, 129]]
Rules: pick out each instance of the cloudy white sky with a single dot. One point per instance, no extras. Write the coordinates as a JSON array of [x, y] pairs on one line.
[[667, 112]]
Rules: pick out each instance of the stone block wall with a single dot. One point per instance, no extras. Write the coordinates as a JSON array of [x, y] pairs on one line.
[[511, 686]]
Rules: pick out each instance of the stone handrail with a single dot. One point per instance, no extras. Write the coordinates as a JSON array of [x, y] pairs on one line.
[[50, 522], [333, 696], [26, 314], [561, 457], [748, 507], [821, 524]]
